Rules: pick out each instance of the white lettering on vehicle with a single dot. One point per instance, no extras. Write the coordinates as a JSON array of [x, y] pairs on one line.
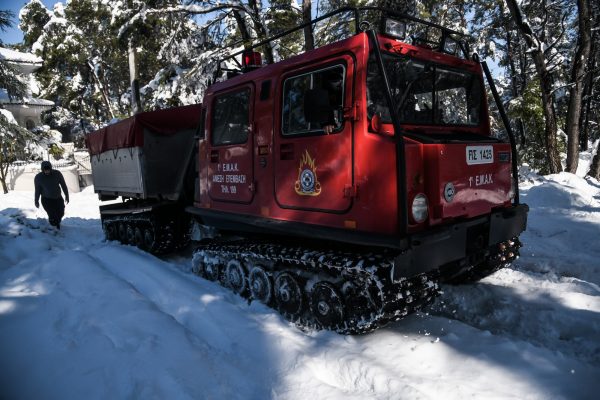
[[231, 179], [479, 180], [228, 167]]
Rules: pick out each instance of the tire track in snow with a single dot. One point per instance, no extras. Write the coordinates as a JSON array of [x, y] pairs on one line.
[[236, 333]]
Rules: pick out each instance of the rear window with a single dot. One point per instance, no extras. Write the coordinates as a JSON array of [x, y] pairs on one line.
[[424, 93]]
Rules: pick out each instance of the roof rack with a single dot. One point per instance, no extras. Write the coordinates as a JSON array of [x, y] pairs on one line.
[[360, 25]]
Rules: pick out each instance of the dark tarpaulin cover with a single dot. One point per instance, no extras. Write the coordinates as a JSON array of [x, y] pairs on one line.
[[130, 132]]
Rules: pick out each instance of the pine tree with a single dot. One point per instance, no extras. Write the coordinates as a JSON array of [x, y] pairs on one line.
[[33, 17]]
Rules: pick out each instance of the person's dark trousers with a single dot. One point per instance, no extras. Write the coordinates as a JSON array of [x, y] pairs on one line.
[[55, 209]]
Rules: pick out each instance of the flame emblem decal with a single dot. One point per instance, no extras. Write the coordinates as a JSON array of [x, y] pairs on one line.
[[307, 183]]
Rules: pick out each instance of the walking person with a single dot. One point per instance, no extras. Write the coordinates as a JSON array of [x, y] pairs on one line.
[[47, 185]]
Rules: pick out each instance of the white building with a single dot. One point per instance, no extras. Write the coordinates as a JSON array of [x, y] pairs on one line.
[[27, 111]]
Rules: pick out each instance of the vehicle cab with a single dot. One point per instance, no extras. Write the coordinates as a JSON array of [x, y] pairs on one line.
[[369, 140]]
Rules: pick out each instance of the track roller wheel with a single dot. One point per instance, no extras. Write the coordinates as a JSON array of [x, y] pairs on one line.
[[210, 271], [130, 233], [198, 265], [149, 239], [122, 232], [260, 285], [110, 231], [357, 302], [327, 305], [138, 237], [235, 276], [288, 294]]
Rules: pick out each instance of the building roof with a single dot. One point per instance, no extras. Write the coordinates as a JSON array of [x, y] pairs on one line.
[[29, 101]]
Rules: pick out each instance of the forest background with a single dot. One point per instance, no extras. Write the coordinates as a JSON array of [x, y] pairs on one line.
[[545, 56]]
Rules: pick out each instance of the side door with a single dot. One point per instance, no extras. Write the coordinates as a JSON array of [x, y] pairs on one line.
[[230, 173], [313, 168]]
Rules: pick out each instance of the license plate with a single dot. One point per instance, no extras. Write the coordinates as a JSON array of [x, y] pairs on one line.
[[480, 155]]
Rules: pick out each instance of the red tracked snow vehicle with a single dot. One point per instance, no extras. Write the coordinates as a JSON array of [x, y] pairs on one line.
[[313, 197]]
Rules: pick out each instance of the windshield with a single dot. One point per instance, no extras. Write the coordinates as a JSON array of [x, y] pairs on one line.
[[424, 93]]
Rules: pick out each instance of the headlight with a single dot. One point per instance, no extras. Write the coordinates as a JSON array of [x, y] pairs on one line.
[[395, 29], [450, 45], [420, 208]]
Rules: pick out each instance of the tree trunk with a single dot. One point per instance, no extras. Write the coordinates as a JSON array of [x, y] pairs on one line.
[[4, 164], [243, 27], [309, 40], [136, 104], [101, 89], [594, 171], [587, 98], [4, 187], [513, 79], [261, 30], [537, 54], [576, 92]]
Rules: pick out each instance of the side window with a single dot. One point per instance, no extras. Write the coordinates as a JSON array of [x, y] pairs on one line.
[[231, 118], [330, 80]]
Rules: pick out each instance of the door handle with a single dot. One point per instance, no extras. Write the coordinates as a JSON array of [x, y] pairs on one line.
[[286, 151], [214, 156]]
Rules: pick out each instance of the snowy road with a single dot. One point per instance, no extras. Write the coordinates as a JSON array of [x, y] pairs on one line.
[[83, 318]]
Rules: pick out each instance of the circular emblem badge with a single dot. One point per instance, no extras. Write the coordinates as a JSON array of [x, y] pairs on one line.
[[307, 181], [449, 192]]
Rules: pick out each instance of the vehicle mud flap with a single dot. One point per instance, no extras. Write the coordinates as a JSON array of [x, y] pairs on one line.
[[431, 252], [507, 224]]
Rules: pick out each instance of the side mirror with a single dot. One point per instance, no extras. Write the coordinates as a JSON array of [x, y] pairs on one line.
[[379, 127], [317, 109]]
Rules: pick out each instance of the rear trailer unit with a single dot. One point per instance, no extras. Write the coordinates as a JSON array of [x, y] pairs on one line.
[[145, 160]]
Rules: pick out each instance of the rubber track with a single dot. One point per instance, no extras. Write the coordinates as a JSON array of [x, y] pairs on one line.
[[164, 233], [389, 301]]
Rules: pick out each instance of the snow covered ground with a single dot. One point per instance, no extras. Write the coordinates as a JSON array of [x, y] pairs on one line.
[[81, 318]]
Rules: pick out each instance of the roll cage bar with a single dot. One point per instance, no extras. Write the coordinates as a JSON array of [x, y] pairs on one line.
[[360, 26]]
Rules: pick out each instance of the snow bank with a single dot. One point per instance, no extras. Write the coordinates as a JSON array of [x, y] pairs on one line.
[[85, 318]]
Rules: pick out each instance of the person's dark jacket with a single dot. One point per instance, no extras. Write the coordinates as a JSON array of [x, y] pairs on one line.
[[49, 186]]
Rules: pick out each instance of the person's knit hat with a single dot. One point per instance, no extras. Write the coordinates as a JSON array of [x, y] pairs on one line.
[[46, 165]]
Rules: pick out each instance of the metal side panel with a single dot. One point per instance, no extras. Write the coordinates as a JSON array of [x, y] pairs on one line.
[[119, 171]]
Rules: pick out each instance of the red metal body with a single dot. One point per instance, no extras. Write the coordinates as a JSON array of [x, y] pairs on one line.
[[354, 168]]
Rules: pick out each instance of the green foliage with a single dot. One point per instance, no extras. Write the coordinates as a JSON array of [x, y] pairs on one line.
[[281, 17], [33, 18], [56, 151], [9, 80], [9, 77], [13, 146], [528, 107]]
